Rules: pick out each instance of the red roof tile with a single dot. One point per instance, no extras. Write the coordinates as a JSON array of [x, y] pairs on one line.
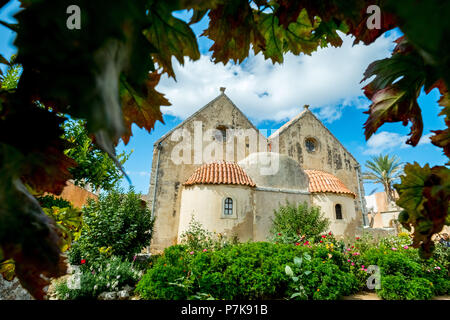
[[221, 172], [320, 181]]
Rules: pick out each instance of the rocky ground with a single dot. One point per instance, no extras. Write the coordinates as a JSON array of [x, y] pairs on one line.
[[12, 290]]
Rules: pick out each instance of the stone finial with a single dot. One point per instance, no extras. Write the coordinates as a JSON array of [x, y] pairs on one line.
[[306, 106], [222, 89]]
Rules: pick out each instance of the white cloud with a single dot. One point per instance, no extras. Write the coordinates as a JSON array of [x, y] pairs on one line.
[[388, 141], [328, 80]]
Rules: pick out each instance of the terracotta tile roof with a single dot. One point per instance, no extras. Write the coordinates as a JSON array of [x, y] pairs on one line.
[[321, 181], [221, 172]]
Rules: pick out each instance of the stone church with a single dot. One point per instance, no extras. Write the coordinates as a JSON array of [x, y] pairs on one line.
[[218, 167]]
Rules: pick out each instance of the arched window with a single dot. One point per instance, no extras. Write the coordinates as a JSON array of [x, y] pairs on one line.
[[221, 134], [338, 209], [228, 207]]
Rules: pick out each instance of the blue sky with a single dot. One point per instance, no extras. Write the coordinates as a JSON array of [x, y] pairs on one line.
[[270, 95]]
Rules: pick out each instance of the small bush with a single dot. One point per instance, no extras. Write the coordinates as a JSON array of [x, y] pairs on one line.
[[290, 222], [196, 237], [117, 224], [399, 287], [170, 266], [108, 275]]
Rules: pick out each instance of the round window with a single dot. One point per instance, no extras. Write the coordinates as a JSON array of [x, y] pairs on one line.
[[311, 144]]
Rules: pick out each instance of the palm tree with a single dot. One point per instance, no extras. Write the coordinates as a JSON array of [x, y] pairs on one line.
[[384, 170]]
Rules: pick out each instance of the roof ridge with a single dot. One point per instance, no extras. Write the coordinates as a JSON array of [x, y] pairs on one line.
[[301, 115], [289, 123]]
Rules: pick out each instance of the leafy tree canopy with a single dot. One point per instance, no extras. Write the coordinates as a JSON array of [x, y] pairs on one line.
[[107, 71]]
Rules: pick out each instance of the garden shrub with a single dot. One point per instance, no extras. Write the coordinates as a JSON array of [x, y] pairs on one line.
[[399, 287], [244, 271], [170, 266], [257, 270], [291, 222], [320, 278], [101, 276], [49, 201], [117, 224]]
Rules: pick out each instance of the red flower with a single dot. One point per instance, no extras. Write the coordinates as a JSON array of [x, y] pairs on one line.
[[83, 261], [357, 238], [329, 233], [297, 244], [321, 241], [324, 236], [279, 234]]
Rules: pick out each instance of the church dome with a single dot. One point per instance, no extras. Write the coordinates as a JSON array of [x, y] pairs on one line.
[[274, 170]]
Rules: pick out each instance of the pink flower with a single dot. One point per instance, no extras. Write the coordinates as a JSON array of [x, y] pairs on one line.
[[393, 249], [353, 263], [204, 250], [362, 266], [192, 252], [348, 249], [438, 268], [348, 260], [365, 270], [134, 258], [405, 247]]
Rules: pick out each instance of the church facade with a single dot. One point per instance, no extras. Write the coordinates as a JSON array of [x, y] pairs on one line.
[[218, 167]]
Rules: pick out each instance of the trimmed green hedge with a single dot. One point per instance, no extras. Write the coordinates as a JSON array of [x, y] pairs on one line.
[[244, 271]]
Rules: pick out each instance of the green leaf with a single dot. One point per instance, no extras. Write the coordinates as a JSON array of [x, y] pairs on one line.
[[298, 261], [297, 38], [297, 294], [170, 37], [289, 271]]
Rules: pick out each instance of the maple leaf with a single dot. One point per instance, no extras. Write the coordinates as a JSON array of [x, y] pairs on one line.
[[424, 193], [297, 38], [170, 37], [141, 107], [394, 91], [393, 104], [232, 27]]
